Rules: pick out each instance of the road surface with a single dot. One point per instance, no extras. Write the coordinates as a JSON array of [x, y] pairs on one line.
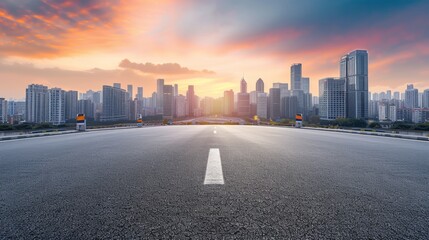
[[211, 182]]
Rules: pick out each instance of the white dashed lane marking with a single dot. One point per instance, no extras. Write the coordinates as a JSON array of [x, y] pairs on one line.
[[214, 174]]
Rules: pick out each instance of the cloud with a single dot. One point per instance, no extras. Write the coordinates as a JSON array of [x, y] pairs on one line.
[[162, 69], [15, 77], [46, 28]]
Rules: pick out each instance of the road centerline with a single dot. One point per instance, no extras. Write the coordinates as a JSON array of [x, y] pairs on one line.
[[214, 174]]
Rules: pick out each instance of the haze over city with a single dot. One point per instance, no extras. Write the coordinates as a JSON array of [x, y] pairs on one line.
[[81, 45]]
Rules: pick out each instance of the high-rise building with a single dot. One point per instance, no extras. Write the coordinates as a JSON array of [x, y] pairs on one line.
[[305, 84], [253, 102], [130, 91], [243, 100], [411, 97], [332, 96], [396, 96], [295, 76], [96, 97], [3, 110], [207, 105], [37, 104], [262, 105], [284, 92], [86, 106], [176, 90], [420, 96], [260, 85], [190, 98], [228, 102], [274, 103], [71, 105], [113, 104], [57, 103], [168, 101], [389, 95], [180, 106], [354, 69], [392, 113], [243, 86], [139, 93], [291, 106], [159, 96], [426, 98], [115, 85]]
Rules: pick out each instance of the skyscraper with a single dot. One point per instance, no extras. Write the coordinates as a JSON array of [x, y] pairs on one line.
[[426, 98], [140, 93], [305, 85], [274, 103], [176, 90], [260, 86], [284, 92], [332, 98], [295, 76], [396, 96], [57, 99], [86, 107], [168, 100], [130, 91], [190, 98], [37, 104], [243, 100], [113, 104], [159, 96], [243, 86], [228, 102], [354, 69], [411, 97], [71, 105], [115, 85], [262, 105]]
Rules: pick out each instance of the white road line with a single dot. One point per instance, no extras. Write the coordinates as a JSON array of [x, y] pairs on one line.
[[214, 174]]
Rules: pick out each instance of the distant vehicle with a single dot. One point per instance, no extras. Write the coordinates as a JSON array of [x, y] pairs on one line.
[[298, 120]]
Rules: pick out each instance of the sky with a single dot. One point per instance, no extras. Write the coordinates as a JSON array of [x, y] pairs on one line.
[[84, 44]]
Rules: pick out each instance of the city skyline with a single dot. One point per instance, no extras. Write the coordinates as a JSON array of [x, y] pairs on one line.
[[85, 45]]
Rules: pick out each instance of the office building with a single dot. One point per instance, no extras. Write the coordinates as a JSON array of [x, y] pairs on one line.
[[262, 105], [243, 86], [113, 104], [139, 95], [284, 92], [130, 91], [274, 103], [305, 85], [115, 85], [176, 90], [295, 76], [396, 96], [332, 97], [168, 101], [392, 113], [37, 104], [291, 106], [260, 85], [354, 69]]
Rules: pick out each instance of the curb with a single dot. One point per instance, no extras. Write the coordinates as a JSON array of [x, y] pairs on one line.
[[391, 135], [36, 135]]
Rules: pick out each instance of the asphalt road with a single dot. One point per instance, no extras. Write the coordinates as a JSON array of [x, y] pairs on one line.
[[279, 183]]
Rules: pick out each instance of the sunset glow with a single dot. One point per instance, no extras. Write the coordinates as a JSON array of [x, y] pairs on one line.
[[81, 45]]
